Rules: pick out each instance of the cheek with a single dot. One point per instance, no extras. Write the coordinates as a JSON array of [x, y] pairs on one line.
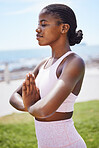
[[52, 34], [49, 36]]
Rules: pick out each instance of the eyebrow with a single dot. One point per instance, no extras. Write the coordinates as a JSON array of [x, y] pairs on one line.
[[43, 20]]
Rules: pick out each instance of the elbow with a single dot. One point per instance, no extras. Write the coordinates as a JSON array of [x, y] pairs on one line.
[[11, 100]]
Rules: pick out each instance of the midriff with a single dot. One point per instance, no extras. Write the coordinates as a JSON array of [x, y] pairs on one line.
[[57, 116]]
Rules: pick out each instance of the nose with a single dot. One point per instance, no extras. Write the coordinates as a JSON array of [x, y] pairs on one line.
[[38, 30]]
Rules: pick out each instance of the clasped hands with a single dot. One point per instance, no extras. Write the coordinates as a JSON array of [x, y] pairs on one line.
[[30, 93]]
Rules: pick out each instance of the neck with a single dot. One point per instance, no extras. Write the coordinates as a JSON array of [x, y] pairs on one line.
[[60, 48]]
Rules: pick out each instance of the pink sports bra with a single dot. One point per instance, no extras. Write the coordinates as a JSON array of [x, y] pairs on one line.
[[46, 80]]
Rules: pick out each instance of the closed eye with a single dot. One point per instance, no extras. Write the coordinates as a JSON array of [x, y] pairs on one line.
[[43, 25]]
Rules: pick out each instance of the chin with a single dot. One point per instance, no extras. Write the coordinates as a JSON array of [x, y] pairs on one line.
[[42, 44]]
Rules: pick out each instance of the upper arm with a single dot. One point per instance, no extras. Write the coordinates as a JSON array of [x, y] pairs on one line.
[[72, 72], [69, 77]]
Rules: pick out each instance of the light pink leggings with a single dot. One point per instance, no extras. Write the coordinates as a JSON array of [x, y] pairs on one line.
[[58, 134]]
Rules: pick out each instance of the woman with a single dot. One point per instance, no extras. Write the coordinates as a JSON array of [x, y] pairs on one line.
[[49, 93]]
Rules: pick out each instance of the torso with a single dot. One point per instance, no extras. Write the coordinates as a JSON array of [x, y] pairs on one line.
[[62, 115], [64, 62]]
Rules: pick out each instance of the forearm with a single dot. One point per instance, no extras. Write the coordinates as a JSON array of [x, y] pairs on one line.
[[17, 102], [39, 111], [47, 106]]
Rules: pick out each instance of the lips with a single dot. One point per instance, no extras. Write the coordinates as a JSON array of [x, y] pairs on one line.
[[39, 36]]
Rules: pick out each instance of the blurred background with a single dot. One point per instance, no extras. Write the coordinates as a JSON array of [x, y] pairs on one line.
[[20, 52]]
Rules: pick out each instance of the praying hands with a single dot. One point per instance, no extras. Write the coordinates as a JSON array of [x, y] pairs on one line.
[[30, 93]]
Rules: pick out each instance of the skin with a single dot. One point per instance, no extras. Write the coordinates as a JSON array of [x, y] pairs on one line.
[[70, 73]]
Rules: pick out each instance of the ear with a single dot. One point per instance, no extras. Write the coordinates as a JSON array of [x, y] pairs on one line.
[[65, 28]]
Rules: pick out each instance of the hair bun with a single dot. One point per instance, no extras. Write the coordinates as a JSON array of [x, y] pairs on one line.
[[76, 39], [79, 36]]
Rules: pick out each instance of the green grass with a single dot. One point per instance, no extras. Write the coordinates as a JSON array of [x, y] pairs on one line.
[[18, 130]]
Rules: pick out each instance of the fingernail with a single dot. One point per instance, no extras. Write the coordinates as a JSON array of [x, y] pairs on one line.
[[27, 75]]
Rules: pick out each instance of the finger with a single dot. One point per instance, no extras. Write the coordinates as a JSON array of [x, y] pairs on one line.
[[38, 92], [27, 83], [24, 90], [32, 75], [31, 83]]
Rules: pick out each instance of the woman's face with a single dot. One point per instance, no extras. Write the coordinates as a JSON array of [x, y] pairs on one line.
[[48, 31]]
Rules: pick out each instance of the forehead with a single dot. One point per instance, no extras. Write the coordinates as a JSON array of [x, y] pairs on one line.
[[47, 17]]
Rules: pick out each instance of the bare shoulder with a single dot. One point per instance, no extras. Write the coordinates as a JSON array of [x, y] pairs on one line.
[[77, 61], [37, 68], [74, 66]]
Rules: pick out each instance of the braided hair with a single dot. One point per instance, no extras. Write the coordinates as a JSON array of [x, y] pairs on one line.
[[67, 16]]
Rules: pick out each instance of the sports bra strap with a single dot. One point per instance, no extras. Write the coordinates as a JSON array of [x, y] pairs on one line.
[[59, 60], [62, 57]]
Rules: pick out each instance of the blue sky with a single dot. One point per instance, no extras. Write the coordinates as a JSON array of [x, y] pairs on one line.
[[19, 19]]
